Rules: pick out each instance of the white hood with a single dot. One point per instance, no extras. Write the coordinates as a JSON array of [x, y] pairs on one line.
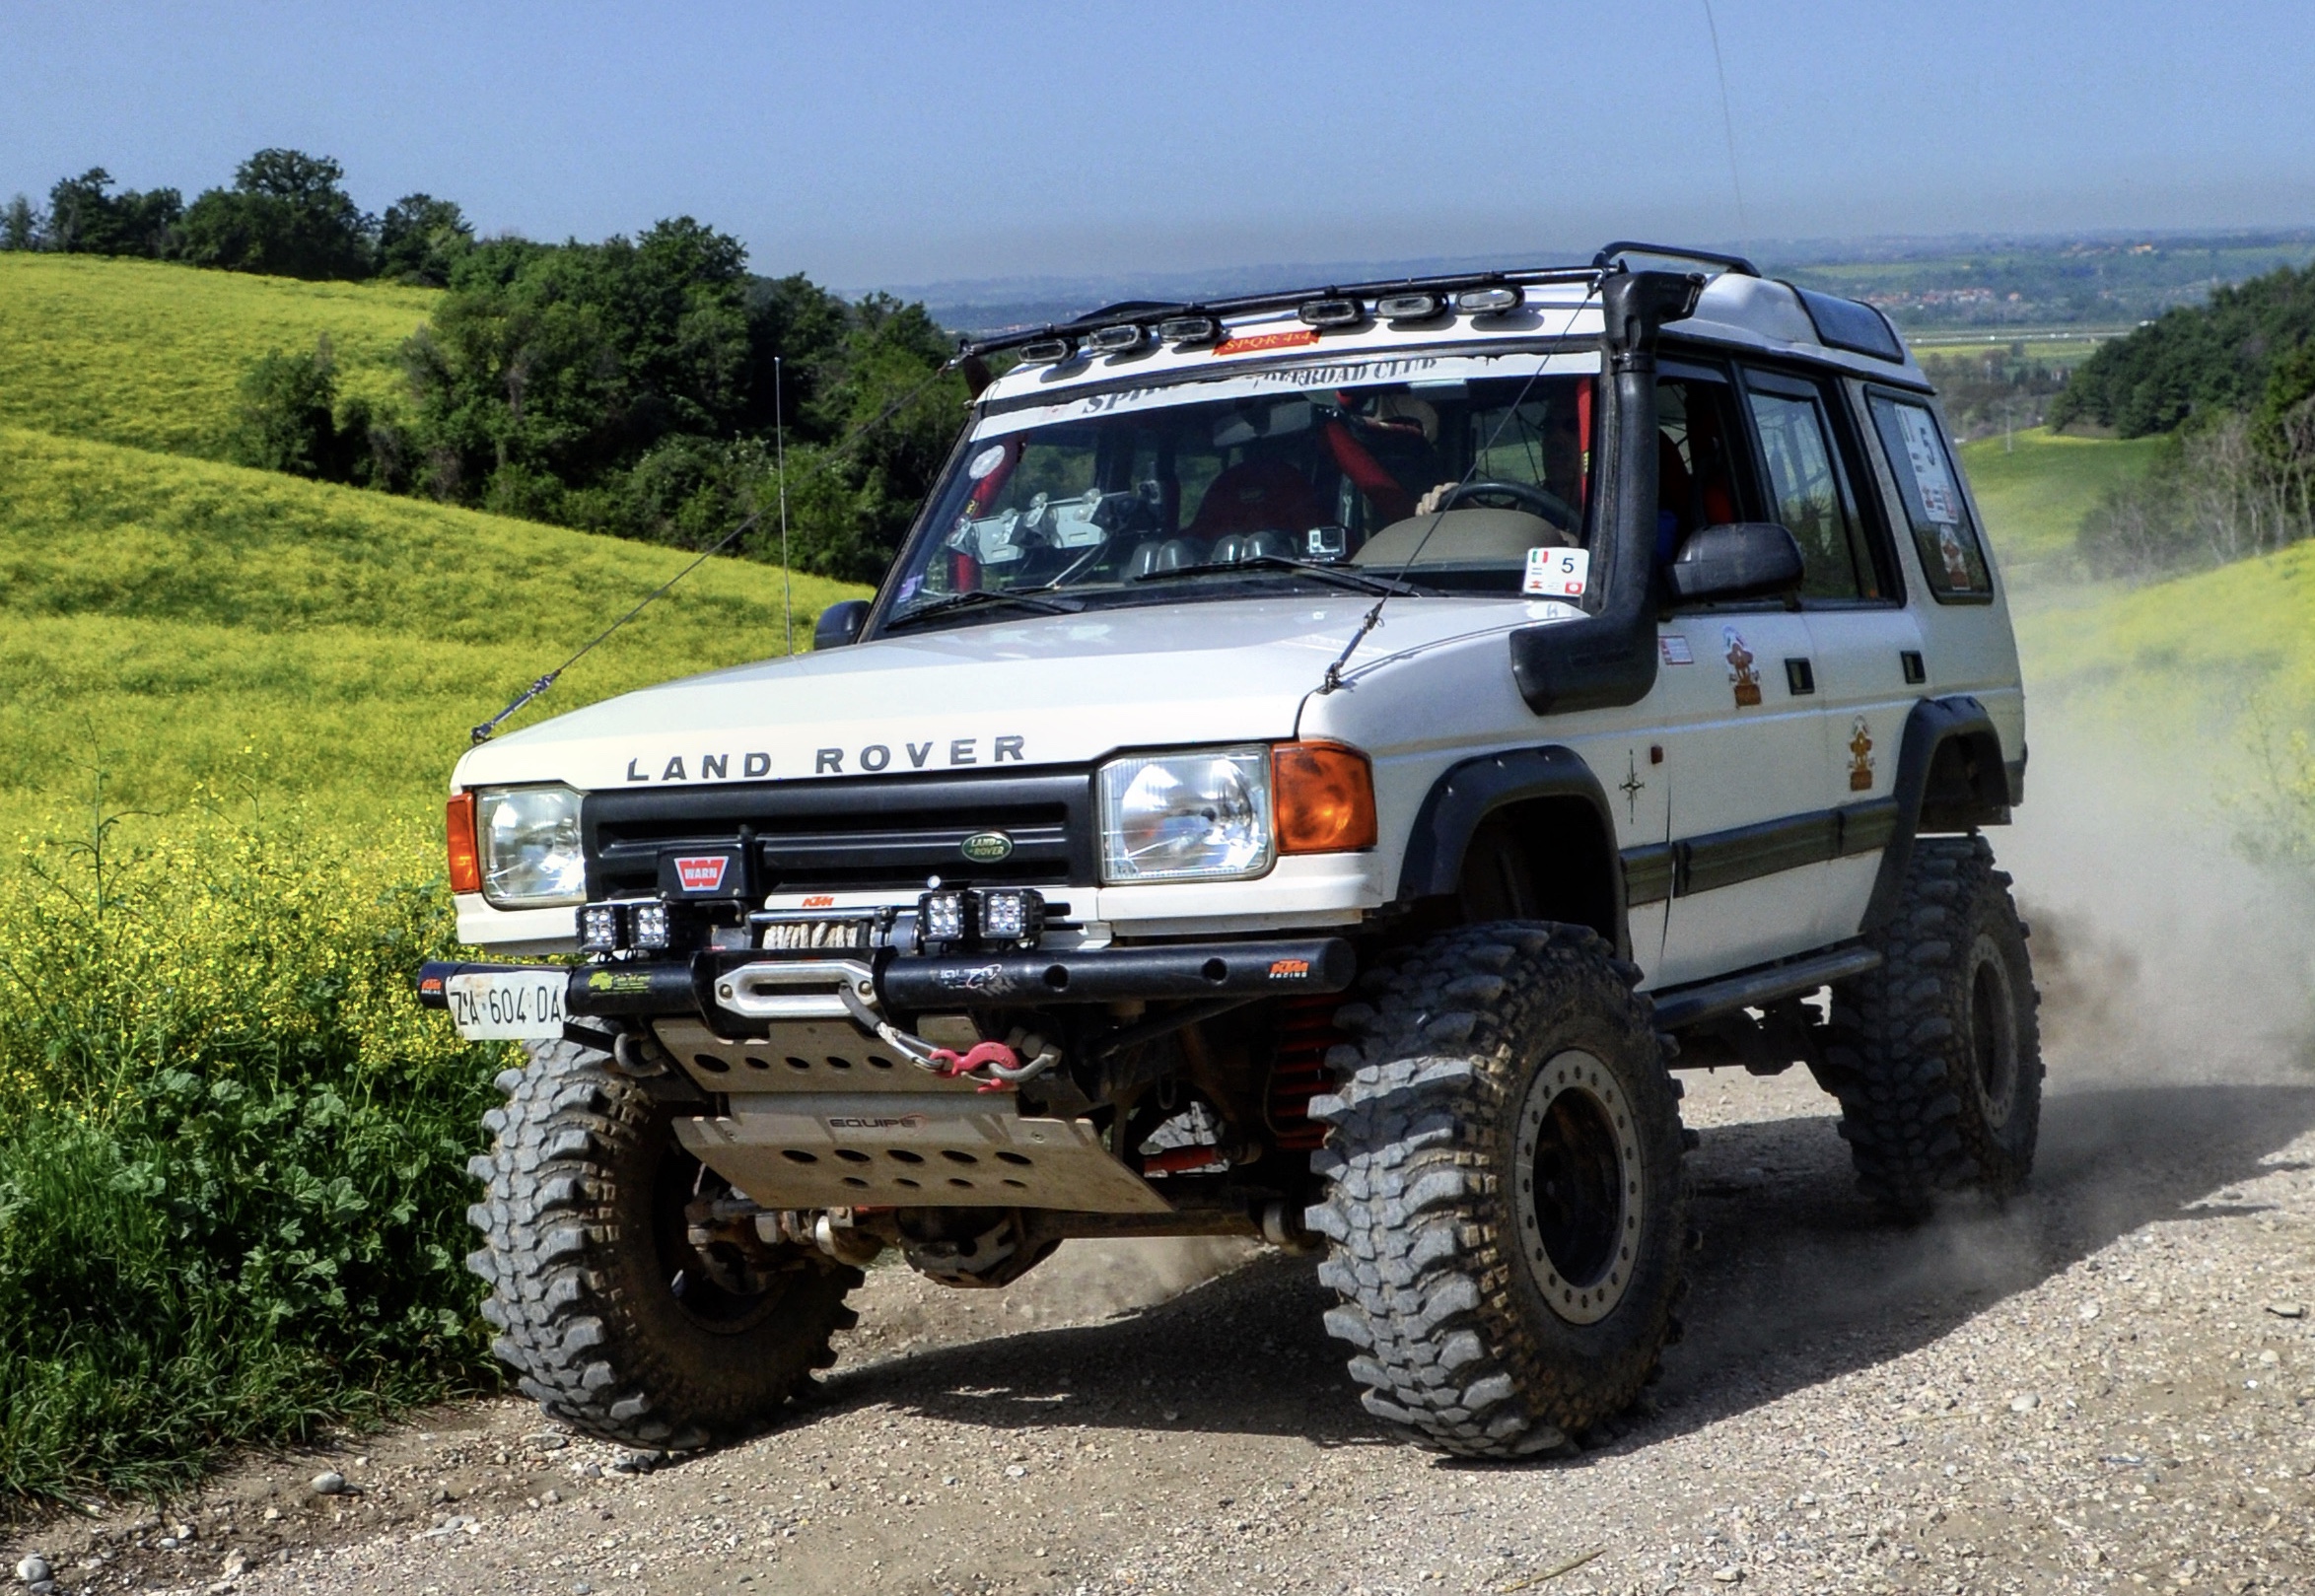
[[1049, 690]]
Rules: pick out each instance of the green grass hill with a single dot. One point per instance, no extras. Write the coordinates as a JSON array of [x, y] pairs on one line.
[[151, 354], [2035, 492], [175, 623]]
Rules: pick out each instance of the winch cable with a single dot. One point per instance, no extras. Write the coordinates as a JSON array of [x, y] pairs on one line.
[[483, 732], [990, 1056], [1374, 619]]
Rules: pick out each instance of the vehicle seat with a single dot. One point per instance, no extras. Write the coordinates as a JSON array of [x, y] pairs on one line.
[[1161, 554], [1232, 547], [1256, 496]]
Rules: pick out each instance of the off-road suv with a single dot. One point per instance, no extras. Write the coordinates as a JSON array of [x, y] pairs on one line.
[[1319, 766]]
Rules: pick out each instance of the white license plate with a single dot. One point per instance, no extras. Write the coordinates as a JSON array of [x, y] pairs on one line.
[[509, 1005]]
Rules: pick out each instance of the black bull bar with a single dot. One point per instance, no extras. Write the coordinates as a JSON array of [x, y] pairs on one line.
[[910, 986]]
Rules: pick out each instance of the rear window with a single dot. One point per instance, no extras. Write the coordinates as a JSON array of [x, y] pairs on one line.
[[1848, 325], [1929, 483]]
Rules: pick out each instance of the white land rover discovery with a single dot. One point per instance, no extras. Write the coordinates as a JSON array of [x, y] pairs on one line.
[[1319, 765]]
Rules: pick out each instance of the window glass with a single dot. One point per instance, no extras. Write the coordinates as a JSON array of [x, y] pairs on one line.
[[1698, 478], [1806, 494], [1952, 558], [1451, 480]]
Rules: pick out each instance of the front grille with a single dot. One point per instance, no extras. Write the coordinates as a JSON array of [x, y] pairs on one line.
[[849, 835]]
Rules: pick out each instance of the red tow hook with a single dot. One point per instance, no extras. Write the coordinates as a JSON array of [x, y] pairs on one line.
[[983, 1054]]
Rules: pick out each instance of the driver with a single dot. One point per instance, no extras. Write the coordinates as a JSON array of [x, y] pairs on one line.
[[1563, 465]]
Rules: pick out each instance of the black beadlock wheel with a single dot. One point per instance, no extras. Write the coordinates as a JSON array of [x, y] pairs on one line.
[[1505, 1209], [1936, 1056], [610, 1320]]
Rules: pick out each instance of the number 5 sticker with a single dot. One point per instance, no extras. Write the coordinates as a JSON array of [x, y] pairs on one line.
[[1557, 573]]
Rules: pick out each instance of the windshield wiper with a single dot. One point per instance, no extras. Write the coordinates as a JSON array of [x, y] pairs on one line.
[[1340, 576], [1027, 598]]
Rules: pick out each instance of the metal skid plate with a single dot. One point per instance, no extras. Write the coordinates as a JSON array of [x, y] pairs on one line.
[[812, 1149], [799, 1056]]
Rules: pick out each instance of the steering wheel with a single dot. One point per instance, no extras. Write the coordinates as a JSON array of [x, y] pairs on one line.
[[1523, 495]]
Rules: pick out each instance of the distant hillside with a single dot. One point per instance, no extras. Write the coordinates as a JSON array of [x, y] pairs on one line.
[[151, 354], [2035, 490], [172, 622], [2215, 357]]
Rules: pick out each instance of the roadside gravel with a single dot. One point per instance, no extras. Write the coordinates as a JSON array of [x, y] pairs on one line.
[[2112, 1382]]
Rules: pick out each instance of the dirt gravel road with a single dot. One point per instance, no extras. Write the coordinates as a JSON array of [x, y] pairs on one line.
[[2110, 1384]]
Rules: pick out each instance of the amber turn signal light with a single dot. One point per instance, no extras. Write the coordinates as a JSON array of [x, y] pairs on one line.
[[1324, 795], [466, 858]]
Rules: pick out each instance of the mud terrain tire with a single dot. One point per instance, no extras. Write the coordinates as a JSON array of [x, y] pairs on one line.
[[585, 1257], [1507, 1209], [1936, 1056]]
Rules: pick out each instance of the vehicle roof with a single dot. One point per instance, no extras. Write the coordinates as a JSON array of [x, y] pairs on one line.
[[1738, 310]]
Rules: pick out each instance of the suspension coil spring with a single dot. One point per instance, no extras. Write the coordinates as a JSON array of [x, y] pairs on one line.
[[1305, 1033]]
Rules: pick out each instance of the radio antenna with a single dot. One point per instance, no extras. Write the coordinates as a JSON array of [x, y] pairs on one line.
[[483, 732], [780, 447], [1727, 128]]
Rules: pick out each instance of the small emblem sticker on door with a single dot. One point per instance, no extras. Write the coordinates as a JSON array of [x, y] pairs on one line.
[[986, 846], [1860, 757], [1741, 675]]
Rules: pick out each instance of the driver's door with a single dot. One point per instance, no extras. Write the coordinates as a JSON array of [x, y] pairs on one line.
[[1742, 726]]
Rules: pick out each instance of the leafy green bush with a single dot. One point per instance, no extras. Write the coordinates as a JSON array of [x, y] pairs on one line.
[[232, 1191]]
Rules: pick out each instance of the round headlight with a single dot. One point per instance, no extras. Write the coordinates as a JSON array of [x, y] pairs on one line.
[[531, 854], [1176, 817]]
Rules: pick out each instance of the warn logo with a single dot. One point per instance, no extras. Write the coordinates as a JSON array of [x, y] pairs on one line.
[[704, 874]]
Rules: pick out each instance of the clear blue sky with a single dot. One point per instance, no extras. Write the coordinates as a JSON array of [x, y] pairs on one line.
[[870, 142]]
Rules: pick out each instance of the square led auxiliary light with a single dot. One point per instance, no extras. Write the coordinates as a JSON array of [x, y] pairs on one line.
[[944, 917], [1013, 915], [647, 926], [1190, 329], [599, 929], [1046, 352]]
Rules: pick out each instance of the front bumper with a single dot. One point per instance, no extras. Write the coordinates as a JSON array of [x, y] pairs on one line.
[[728, 985]]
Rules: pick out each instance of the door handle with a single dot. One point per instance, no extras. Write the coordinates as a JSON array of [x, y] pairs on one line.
[[1800, 677]]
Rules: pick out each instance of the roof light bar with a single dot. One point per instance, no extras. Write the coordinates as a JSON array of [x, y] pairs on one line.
[[1410, 307], [1121, 339], [1498, 300], [1190, 329], [1046, 352], [1331, 312]]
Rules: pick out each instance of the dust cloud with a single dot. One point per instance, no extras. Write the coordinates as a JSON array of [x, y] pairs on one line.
[[2161, 953]]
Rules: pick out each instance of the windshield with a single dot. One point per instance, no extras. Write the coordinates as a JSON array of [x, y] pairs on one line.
[[1207, 489]]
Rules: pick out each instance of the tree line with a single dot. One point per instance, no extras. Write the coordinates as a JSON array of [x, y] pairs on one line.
[[646, 387], [2230, 385], [286, 214]]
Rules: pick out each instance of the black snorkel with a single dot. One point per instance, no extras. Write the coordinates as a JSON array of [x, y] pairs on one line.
[[1608, 657]]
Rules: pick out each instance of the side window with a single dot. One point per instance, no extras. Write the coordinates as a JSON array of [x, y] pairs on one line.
[[1807, 490], [1702, 477], [1952, 558]]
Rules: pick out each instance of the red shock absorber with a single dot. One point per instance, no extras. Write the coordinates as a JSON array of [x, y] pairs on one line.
[[1306, 1030]]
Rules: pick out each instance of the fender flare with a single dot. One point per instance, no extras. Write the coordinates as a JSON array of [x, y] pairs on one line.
[[1951, 776], [1466, 794]]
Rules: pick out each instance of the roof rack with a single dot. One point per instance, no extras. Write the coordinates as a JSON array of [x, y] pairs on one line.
[[1146, 311], [1673, 252], [1142, 310]]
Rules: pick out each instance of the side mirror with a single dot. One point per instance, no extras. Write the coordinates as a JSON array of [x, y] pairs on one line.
[[839, 624], [1746, 559]]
